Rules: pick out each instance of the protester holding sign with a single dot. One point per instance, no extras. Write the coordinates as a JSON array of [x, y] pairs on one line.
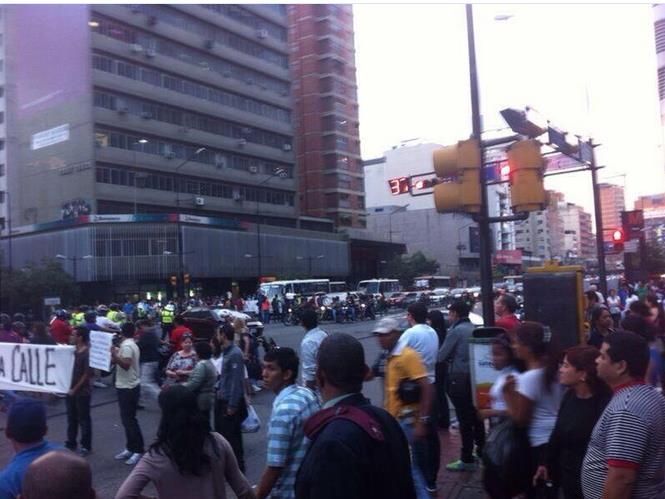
[[78, 397]]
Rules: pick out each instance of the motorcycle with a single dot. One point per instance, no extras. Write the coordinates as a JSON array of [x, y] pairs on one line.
[[366, 312]]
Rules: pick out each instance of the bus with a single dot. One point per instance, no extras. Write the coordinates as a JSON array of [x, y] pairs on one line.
[[297, 287], [377, 286], [432, 282]]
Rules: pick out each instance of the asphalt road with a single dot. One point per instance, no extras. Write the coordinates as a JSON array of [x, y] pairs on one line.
[[108, 434]]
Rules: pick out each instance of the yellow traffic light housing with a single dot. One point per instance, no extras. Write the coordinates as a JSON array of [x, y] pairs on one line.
[[174, 280], [527, 188], [186, 279], [460, 165]]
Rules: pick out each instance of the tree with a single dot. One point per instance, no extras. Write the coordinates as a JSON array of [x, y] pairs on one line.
[[25, 289], [654, 257], [407, 267]]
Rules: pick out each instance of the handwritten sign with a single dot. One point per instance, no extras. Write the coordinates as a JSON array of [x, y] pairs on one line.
[[36, 368], [100, 350]]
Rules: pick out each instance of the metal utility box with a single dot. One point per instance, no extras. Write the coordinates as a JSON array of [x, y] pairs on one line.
[[554, 296]]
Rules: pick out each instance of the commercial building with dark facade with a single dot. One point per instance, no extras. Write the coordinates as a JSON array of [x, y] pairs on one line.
[[148, 141]]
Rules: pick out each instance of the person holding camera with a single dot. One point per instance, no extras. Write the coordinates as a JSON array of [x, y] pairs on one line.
[[408, 392], [128, 387]]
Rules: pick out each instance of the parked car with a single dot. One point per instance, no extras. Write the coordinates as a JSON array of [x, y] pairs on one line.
[[204, 321]]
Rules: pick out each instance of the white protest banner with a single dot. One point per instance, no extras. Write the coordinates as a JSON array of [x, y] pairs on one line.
[[100, 350], [36, 368]]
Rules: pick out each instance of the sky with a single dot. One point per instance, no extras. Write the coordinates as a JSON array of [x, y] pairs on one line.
[[589, 69]]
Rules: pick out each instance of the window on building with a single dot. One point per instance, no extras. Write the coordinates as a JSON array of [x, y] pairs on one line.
[[2, 170], [2, 197]]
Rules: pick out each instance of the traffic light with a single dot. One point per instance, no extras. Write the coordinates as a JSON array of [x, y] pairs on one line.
[[618, 238], [185, 279], [527, 189], [174, 281], [460, 166]]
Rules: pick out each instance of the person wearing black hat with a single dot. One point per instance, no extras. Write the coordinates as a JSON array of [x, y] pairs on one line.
[[25, 429]]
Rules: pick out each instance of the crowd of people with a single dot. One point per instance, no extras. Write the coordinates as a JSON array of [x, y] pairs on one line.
[[585, 422]]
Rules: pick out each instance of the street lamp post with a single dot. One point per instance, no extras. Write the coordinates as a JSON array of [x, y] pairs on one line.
[[181, 253], [140, 141], [483, 218], [309, 259], [390, 219], [279, 172]]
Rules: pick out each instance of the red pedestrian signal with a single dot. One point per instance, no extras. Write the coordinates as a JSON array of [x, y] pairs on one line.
[[618, 239], [617, 236], [399, 185]]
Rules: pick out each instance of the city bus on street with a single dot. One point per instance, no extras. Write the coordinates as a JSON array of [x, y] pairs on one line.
[[432, 282], [296, 287], [387, 287]]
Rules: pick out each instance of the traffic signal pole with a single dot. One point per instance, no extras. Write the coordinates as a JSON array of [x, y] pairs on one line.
[[486, 287], [598, 215]]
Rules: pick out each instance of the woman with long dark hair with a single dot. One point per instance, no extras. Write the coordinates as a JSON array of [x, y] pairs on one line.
[[582, 405], [437, 321], [187, 459], [601, 325], [533, 398]]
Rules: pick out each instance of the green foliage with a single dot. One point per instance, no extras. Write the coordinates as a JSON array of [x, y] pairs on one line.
[[407, 267], [654, 258], [25, 289]]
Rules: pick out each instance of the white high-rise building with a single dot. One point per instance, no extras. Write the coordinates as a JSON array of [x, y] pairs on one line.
[[451, 239]]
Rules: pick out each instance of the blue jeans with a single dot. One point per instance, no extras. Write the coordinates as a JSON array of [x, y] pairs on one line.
[[418, 478]]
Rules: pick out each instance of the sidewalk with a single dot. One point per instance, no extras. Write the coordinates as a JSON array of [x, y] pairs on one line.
[[456, 485]]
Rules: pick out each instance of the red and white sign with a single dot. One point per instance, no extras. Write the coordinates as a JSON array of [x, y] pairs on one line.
[[508, 257]]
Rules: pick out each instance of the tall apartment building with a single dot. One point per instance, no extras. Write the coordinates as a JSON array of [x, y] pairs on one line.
[[330, 172], [4, 204], [612, 203], [128, 118], [542, 234], [654, 216], [578, 237], [659, 29]]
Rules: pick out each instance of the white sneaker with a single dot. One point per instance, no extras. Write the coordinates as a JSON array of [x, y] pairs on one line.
[[99, 384], [123, 455], [134, 458]]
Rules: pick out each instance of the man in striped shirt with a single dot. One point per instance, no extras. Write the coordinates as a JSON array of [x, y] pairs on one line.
[[293, 405], [626, 453]]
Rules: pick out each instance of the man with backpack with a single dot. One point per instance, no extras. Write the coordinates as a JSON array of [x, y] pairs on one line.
[[356, 450]]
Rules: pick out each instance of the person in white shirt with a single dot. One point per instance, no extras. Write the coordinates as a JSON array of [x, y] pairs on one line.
[[533, 398], [309, 347], [104, 322], [424, 340], [128, 388], [504, 362]]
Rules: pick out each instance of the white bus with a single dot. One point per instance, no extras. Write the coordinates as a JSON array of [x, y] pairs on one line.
[[430, 282], [376, 286], [301, 287]]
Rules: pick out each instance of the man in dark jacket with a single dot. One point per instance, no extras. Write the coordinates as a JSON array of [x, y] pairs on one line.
[[149, 344], [357, 451], [230, 407]]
